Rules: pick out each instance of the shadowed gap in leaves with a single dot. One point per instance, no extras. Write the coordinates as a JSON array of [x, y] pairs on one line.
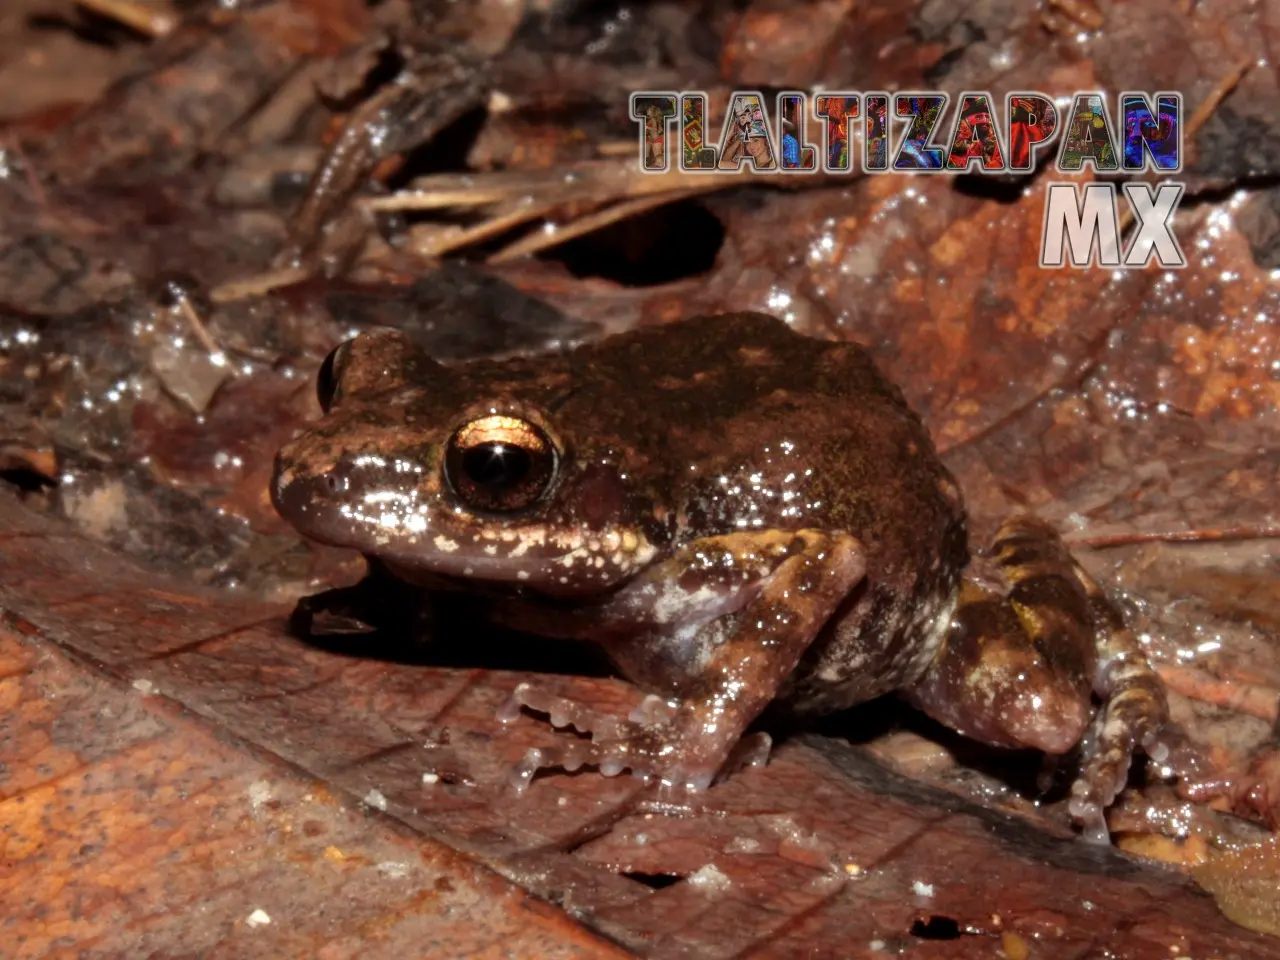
[[674, 242], [936, 928]]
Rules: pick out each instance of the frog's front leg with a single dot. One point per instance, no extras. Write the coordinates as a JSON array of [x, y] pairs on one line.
[[713, 632], [1018, 670]]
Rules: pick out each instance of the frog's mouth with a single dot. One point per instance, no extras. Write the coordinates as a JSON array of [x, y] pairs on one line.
[[392, 526], [520, 559]]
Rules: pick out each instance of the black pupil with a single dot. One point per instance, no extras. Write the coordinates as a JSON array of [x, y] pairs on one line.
[[496, 465]]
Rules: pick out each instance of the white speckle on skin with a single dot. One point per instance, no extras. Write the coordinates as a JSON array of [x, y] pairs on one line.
[[144, 687], [921, 889], [674, 604], [444, 544], [393, 870], [429, 778], [375, 799], [258, 918]]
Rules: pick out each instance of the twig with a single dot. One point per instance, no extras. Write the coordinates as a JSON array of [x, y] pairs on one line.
[[198, 328], [490, 228], [1176, 536], [537, 242], [258, 284], [150, 19]]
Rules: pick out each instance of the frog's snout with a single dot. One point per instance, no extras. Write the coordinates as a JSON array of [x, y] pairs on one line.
[[305, 498], [350, 502]]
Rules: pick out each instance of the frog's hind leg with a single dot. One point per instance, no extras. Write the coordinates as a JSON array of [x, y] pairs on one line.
[[1018, 669]]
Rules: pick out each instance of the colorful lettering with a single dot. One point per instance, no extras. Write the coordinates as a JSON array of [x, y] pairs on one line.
[[923, 111], [1088, 138], [974, 137], [695, 154], [837, 109], [1157, 133], [747, 137], [1033, 123]]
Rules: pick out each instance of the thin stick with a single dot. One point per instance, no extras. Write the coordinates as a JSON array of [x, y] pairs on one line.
[[536, 242], [258, 284], [491, 228], [426, 199], [150, 19], [1176, 536], [197, 325], [1221, 90]]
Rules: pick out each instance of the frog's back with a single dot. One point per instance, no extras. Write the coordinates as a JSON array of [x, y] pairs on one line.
[[743, 395], [701, 389]]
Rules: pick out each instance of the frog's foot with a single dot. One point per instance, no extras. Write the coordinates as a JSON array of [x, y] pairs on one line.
[[1133, 714], [645, 743], [561, 711], [667, 752], [1131, 717], [646, 755], [378, 603], [341, 611]]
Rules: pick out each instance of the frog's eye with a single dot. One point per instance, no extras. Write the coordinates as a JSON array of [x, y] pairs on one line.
[[330, 374], [500, 464]]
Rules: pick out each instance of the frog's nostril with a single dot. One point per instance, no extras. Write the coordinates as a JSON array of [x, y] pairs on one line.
[[335, 482]]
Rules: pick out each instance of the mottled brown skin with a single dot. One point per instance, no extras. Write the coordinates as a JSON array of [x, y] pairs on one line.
[[737, 514]]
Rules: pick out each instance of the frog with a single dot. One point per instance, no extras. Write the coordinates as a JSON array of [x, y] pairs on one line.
[[739, 515]]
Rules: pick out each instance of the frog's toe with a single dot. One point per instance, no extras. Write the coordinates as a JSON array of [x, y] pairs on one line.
[[561, 712], [654, 754], [1089, 814], [522, 773], [570, 758]]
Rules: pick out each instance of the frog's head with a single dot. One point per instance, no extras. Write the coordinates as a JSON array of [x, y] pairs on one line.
[[456, 472]]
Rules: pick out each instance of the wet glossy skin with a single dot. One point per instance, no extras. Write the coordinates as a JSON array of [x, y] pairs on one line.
[[737, 514]]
